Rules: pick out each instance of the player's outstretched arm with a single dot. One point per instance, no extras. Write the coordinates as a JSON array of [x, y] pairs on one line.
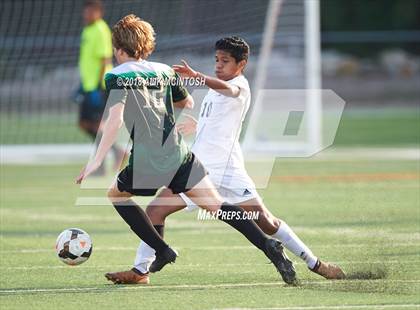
[[109, 136], [216, 84]]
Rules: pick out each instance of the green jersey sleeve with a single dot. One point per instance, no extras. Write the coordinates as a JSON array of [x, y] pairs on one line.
[[116, 92], [179, 92]]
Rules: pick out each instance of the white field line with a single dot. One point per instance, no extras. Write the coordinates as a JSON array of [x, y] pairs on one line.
[[159, 287], [47, 154], [364, 262], [370, 306], [223, 247]]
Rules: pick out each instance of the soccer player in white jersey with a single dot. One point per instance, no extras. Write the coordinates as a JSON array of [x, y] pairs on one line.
[[217, 146]]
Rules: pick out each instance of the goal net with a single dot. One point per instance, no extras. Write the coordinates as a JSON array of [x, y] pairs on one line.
[[39, 47]]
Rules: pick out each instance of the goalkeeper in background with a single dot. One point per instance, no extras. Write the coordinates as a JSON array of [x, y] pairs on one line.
[[95, 59]]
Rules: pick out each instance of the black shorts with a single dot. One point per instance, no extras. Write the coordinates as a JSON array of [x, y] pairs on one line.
[[92, 111], [182, 180]]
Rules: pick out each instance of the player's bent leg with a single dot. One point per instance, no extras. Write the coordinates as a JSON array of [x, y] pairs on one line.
[[163, 205], [266, 221], [130, 276], [279, 230], [115, 195], [141, 225], [205, 196]]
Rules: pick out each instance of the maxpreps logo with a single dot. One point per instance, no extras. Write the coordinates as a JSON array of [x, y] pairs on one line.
[[204, 215]]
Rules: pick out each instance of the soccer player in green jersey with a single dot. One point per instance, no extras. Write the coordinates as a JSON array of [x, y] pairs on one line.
[[159, 156]]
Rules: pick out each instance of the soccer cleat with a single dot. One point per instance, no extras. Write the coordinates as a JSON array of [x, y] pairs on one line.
[[132, 276], [274, 251], [328, 270], [167, 256]]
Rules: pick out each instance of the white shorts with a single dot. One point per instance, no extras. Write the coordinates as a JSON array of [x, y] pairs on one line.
[[235, 186]]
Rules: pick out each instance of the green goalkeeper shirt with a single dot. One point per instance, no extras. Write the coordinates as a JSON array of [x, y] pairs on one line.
[[95, 45]]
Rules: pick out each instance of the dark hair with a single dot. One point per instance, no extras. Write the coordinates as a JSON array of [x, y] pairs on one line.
[[96, 4], [236, 46]]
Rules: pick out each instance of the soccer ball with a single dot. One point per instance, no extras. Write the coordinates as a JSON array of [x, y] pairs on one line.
[[73, 246]]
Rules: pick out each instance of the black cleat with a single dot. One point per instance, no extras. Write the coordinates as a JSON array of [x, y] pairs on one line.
[[167, 256], [274, 251]]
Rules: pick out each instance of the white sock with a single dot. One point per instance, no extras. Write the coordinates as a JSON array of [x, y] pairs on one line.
[[292, 242], [144, 257]]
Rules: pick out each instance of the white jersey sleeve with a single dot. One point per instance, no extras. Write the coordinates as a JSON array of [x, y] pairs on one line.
[[243, 85]]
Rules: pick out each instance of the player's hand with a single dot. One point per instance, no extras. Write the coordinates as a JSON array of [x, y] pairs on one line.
[[185, 70], [188, 126], [90, 167]]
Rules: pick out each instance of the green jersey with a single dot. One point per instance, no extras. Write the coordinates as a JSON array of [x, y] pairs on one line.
[[95, 45], [148, 90]]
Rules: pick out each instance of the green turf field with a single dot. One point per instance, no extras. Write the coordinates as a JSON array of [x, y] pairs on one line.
[[362, 214]]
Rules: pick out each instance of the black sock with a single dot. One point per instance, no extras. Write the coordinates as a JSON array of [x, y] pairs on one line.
[[160, 229], [246, 227], [140, 223]]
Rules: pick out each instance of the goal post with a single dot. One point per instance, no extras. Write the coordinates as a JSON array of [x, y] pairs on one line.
[[297, 41], [313, 72]]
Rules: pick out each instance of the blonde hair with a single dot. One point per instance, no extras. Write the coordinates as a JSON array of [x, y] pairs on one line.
[[134, 36]]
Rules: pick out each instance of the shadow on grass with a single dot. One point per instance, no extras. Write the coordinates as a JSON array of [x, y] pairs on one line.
[[366, 280], [368, 273]]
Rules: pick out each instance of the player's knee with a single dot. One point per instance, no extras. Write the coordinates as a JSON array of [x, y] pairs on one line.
[[114, 195], [158, 213], [267, 222], [152, 210], [110, 193]]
